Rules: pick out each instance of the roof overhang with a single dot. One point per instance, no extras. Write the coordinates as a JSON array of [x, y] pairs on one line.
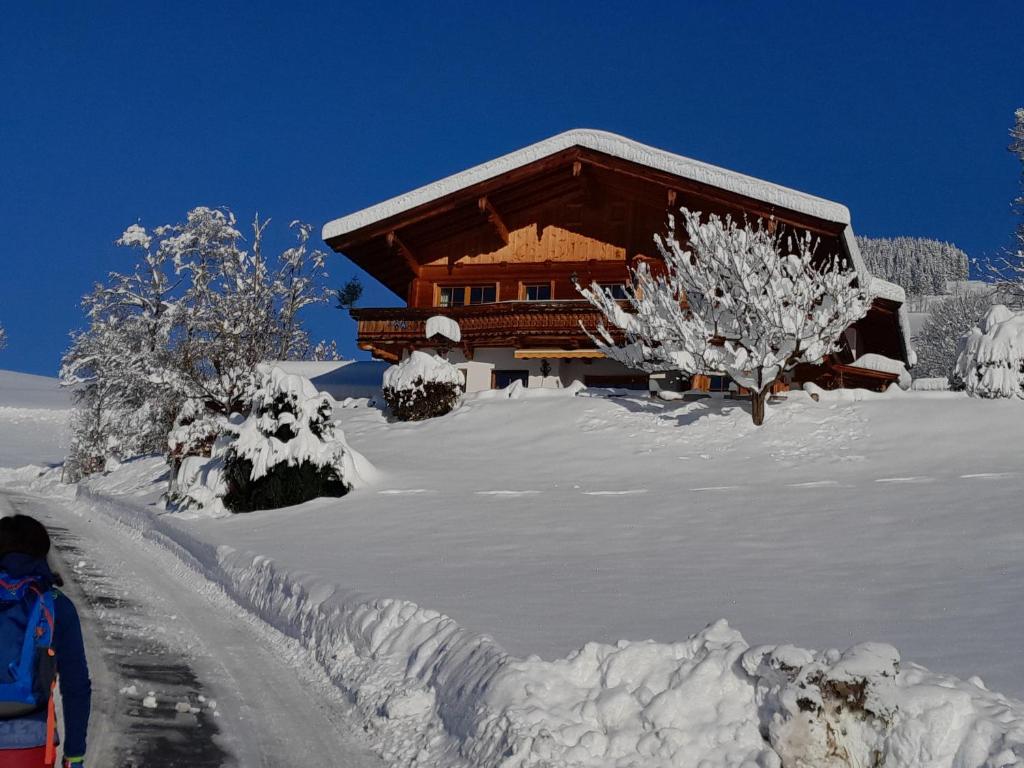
[[606, 143]]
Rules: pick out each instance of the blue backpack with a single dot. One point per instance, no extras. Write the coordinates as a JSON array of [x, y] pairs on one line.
[[27, 663]]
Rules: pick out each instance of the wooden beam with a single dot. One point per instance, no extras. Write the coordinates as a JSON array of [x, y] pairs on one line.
[[494, 217], [672, 199], [395, 242]]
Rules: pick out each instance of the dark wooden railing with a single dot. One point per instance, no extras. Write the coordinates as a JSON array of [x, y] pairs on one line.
[[513, 321]]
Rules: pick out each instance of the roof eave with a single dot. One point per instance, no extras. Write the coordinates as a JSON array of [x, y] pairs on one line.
[[598, 141]]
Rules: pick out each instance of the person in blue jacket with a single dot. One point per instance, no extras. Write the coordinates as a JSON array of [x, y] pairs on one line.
[[24, 546]]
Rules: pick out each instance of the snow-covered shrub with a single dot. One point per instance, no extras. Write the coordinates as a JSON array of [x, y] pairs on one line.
[[422, 386], [195, 430], [287, 451], [991, 360]]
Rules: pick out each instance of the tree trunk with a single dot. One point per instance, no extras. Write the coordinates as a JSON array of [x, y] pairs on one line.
[[757, 405]]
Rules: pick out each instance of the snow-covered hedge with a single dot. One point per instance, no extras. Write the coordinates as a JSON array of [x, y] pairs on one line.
[[991, 360], [422, 386], [286, 451]]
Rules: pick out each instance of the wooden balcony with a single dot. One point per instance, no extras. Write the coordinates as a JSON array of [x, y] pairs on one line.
[[386, 332]]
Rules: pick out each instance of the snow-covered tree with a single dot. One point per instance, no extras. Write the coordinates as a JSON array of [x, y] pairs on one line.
[[3, 337], [938, 342], [1009, 271], [119, 365], [734, 299], [422, 386], [326, 351], [287, 451], [1017, 147], [991, 360], [189, 323], [922, 267]]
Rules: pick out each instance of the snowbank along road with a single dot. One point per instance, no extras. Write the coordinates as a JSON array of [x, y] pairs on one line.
[[182, 676]]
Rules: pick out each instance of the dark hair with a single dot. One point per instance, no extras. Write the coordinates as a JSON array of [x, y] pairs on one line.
[[21, 533]]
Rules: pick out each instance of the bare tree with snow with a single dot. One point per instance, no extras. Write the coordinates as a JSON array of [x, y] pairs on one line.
[[1009, 271], [191, 322], [937, 344], [734, 299]]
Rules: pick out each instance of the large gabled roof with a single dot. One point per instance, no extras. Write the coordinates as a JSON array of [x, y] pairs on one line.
[[606, 143]]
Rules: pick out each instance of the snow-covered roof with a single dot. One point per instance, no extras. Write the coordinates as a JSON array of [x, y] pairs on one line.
[[608, 144]]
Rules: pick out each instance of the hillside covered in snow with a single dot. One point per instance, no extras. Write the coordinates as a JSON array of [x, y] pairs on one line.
[[553, 578], [33, 418]]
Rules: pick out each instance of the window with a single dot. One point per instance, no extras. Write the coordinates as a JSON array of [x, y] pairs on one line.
[[482, 294], [617, 290], [452, 296], [719, 383], [461, 295], [537, 292]]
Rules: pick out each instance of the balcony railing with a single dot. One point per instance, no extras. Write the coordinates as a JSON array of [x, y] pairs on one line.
[[515, 323]]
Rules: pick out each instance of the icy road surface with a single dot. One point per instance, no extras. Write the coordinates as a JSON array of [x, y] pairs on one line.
[[181, 676]]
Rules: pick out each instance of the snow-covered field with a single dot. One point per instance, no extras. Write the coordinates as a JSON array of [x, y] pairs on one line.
[[33, 419], [551, 522], [554, 523]]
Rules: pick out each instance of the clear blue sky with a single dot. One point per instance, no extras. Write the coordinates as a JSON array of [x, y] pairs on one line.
[[111, 114]]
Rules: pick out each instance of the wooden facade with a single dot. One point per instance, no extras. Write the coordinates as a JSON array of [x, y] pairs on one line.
[[501, 255]]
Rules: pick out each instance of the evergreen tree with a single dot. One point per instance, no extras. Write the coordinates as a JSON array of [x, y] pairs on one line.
[[922, 267]]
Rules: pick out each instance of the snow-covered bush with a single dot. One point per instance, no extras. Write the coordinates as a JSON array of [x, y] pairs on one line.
[[287, 451], [734, 299], [991, 359], [422, 386], [938, 342]]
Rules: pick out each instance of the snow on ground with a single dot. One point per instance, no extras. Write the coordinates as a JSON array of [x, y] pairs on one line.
[[559, 525], [33, 419], [549, 523]]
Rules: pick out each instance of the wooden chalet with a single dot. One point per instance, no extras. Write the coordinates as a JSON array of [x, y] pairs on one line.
[[497, 248]]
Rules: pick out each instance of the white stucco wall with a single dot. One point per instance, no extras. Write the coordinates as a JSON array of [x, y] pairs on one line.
[[563, 372]]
